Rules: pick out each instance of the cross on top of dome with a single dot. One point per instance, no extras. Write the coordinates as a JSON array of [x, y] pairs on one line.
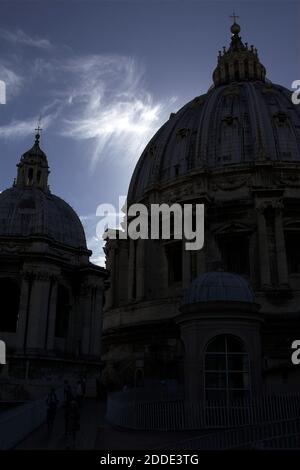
[[234, 17], [235, 28], [38, 132]]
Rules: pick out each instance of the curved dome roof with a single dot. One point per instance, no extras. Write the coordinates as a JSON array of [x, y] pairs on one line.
[[241, 119], [232, 124], [219, 286], [31, 211], [29, 208]]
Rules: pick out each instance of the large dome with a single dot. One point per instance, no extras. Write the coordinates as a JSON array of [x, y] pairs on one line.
[[240, 120], [30, 211]]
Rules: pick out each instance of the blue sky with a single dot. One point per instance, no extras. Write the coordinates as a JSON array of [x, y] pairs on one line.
[[105, 75]]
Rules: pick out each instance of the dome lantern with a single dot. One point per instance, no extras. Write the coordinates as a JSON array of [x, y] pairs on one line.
[[33, 169], [238, 62]]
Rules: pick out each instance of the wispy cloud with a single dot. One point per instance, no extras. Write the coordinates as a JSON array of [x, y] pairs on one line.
[[19, 37], [22, 128], [101, 100], [109, 106], [105, 103]]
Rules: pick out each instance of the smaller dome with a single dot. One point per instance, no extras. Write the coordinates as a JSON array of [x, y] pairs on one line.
[[30, 211], [219, 286]]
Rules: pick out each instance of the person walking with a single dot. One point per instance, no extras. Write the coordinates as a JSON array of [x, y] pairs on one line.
[[74, 423], [83, 386], [98, 387], [52, 402], [79, 393], [68, 397]]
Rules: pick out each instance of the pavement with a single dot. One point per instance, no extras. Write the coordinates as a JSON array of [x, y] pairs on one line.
[[96, 433], [92, 414]]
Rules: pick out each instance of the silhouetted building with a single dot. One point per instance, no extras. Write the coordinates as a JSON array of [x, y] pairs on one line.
[[220, 320]]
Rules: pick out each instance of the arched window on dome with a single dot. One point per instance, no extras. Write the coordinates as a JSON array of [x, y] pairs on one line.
[[246, 67], [30, 177], [174, 259], [226, 72], [236, 70], [10, 301], [226, 369], [62, 312], [39, 175]]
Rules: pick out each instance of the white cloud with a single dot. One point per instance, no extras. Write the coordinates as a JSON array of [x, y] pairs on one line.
[[109, 106], [18, 36], [22, 128], [98, 99], [94, 243]]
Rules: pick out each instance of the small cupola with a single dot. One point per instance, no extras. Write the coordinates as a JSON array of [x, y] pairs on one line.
[[33, 169], [239, 62]]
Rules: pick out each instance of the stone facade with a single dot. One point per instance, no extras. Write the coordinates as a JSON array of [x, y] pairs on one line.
[[51, 294]]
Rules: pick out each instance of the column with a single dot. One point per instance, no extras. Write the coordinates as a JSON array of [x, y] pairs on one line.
[[24, 309], [97, 322], [186, 267], [85, 308], [38, 311], [162, 259], [140, 269], [131, 269], [280, 247], [265, 276], [52, 315], [109, 303], [201, 262], [123, 268]]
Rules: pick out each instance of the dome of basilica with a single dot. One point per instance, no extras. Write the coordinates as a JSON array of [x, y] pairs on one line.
[[242, 119], [29, 208], [219, 286]]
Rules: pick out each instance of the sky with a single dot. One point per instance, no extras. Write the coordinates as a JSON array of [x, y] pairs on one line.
[[104, 75]]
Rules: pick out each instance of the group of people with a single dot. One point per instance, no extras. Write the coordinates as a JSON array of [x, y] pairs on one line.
[[73, 399]]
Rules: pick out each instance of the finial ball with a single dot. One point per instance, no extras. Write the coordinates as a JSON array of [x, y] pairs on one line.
[[235, 28]]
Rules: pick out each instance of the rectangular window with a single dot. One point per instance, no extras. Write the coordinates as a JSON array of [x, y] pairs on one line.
[[174, 257], [292, 239], [234, 249]]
